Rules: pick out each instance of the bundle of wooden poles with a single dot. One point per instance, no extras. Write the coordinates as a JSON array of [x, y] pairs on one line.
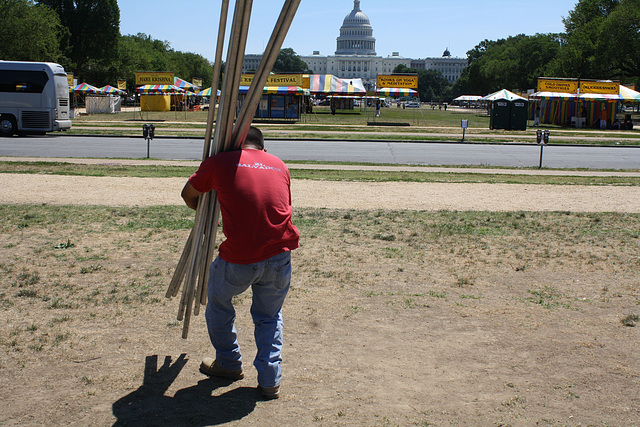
[[192, 270]]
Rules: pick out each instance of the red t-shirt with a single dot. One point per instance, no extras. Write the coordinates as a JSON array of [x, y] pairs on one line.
[[254, 191]]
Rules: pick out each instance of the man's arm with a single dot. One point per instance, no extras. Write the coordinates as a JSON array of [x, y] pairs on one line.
[[190, 195]]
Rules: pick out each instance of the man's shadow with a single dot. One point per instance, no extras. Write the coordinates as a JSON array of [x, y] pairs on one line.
[[192, 406]]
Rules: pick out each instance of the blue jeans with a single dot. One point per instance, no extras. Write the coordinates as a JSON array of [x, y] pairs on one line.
[[269, 281]]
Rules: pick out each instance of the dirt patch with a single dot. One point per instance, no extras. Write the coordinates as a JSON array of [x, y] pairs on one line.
[[112, 191], [399, 314]]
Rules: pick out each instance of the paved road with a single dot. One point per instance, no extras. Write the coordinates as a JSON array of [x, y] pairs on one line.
[[454, 154]]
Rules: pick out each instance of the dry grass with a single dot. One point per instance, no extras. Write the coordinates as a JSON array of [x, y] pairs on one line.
[[394, 318]]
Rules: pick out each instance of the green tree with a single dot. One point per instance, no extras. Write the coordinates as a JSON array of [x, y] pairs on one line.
[[512, 63], [601, 41], [188, 65], [619, 44], [94, 30], [141, 52], [583, 27], [288, 61], [29, 32]]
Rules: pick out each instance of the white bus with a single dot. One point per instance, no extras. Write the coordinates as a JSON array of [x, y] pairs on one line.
[[34, 98]]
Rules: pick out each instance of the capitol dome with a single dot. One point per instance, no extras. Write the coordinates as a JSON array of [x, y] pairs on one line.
[[356, 34]]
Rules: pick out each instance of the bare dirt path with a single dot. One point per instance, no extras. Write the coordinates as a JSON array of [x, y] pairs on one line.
[[115, 191], [112, 191], [393, 319]]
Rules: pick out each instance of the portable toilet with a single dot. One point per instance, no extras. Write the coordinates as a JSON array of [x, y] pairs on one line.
[[519, 114], [500, 114]]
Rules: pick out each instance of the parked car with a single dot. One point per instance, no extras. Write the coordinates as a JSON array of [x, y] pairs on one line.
[[412, 104]]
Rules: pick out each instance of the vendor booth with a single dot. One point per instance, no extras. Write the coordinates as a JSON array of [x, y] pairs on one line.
[[107, 101], [582, 103], [277, 102], [328, 84], [103, 104], [88, 94], [580, 111], [342, 93], [158, 97]]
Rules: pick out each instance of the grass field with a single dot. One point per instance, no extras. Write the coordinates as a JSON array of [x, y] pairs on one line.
[[394, 318], [424, 124], [337, 174]]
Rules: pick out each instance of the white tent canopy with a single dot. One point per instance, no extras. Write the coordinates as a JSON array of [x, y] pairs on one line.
[[629, 94], [503, 95], [469, 98]]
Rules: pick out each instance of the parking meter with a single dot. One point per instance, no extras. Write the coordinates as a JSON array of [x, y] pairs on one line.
[[542, 138], [148, 132]]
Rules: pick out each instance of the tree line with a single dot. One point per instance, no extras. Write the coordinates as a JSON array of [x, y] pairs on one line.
[[601, 41], [84, 37]]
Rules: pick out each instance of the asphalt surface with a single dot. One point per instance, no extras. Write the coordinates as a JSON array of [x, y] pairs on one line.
[[400, 153]]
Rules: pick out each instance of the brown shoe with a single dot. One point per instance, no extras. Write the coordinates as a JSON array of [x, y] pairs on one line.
[[270, 392], [212, 368]]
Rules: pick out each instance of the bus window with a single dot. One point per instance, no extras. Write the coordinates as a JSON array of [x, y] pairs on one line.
[[23, 81]]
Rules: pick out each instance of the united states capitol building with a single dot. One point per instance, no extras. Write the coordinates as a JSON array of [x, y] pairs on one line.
[[356, 57]]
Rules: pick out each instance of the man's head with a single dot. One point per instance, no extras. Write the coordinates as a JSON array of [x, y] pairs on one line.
[[254, 139]]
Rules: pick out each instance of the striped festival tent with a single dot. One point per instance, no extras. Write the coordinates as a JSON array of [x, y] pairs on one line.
[[331, 85], [207, 92], [158, 89], [552, 96], [559, 108], [277, 90], [629, 95], [86, 88], [112, 90], [396, 92], [183, 84]]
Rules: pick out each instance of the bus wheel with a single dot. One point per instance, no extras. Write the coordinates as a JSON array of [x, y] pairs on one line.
[[7, 125]]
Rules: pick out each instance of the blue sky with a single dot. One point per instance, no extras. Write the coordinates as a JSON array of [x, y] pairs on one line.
[[414, 28]]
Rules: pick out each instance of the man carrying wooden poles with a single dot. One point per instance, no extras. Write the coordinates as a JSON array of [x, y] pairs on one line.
[[252, 190]]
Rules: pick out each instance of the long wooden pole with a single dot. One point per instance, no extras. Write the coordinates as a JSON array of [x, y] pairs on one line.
[[266, 65], [198, 252], [181, 270], [208, 246], [207, 203], [217, 67]]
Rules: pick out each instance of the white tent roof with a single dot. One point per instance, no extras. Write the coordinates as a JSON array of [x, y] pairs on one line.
[[503, 94], [468, 98], [629, 94]]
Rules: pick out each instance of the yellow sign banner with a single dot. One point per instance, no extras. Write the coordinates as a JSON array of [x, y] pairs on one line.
[[602, 88], [122, 84], [197, 81], [154, 78], [557, 85], [70, 79], [275, 80], [397, 81]]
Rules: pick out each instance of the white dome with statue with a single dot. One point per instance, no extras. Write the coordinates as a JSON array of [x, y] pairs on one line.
[[356, 34]]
